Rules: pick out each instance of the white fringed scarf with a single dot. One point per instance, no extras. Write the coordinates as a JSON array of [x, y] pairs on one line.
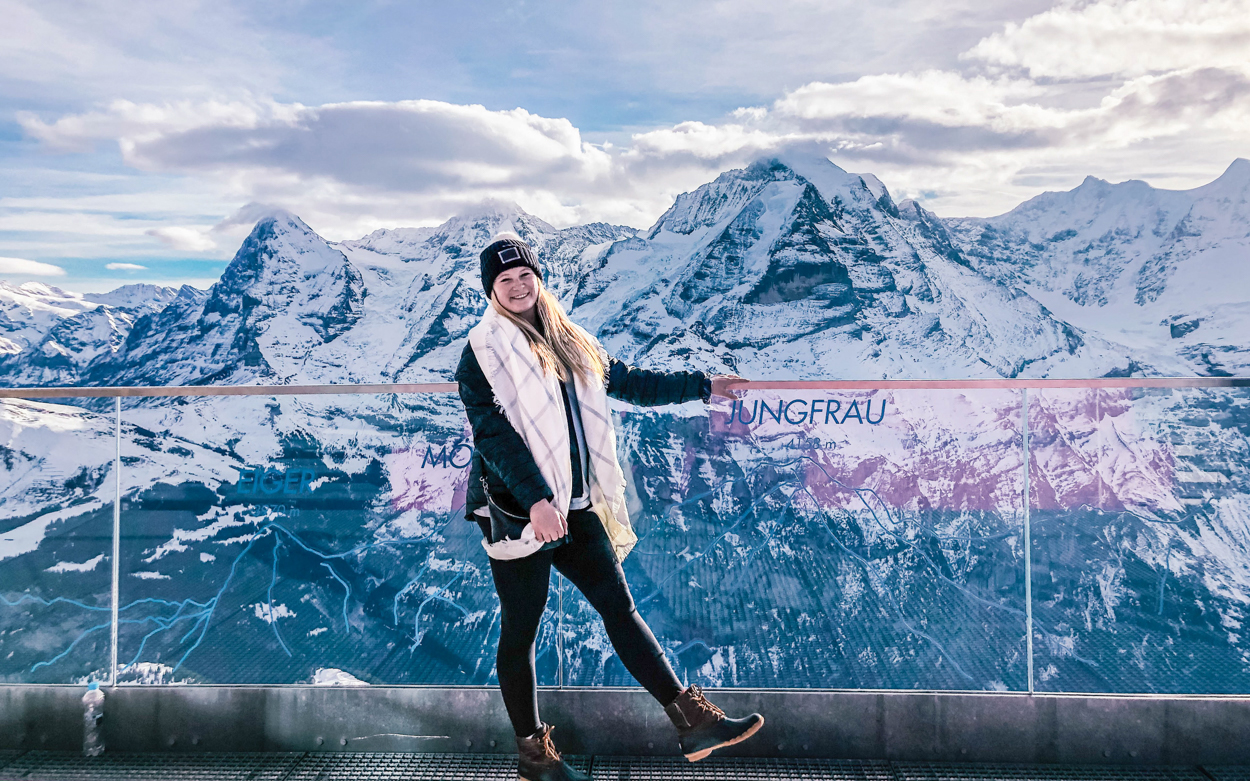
[[533, 404]]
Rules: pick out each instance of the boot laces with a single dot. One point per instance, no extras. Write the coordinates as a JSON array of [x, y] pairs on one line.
[[702, 703], [549, 745]]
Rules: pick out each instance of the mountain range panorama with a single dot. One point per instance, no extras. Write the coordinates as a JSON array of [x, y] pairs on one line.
[[789, 268], [756, 568]]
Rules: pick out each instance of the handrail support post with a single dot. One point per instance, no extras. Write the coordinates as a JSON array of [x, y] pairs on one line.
[[117, 534], [1028, 540]]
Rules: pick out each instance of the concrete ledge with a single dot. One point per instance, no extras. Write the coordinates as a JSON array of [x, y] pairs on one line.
[[902, 726]]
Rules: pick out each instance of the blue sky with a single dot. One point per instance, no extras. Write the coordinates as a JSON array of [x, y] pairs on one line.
[[148, 134]]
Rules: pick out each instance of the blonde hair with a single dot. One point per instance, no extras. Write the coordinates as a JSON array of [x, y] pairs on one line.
[[560, 346]]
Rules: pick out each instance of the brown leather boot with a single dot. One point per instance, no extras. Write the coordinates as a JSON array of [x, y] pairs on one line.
[[539, 760], [702, 727]]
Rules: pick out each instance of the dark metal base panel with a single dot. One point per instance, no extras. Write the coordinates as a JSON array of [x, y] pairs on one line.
[[326, 766], [901, 727]]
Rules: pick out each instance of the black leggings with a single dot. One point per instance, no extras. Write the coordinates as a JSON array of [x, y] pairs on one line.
[[587, 561]]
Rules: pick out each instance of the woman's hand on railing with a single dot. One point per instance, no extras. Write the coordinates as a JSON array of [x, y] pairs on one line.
[[549, 525], [722, 384]]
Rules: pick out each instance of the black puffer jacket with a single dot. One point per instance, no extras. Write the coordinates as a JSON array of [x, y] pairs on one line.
[[501, 455]]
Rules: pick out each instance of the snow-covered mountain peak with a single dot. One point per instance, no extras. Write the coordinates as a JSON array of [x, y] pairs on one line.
[[1239, 169], [463, 235], [40, 300], [789, 266], [293, 307], [1233, 183], [42, 295], [720, 199], [874, 185], [284, 219], [286, 272], [189, 292], [909, 209], [49, 335], [150, 297], [1096, 213], [286, 292], [282, 236], [39, 289], [1093, 188], [491, 210], [837, 184], [1147, 264]]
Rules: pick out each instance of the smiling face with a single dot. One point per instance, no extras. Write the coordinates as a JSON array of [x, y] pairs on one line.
[[516, 289]]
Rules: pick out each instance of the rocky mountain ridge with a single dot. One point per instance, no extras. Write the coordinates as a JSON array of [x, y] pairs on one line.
[[796, 252], [791, 267], [48, 336], [1164, 272]]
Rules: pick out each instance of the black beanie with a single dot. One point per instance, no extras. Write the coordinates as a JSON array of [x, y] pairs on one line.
[[503, 255]]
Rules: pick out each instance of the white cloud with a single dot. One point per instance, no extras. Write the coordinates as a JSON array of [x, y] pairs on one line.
[[132, 124], [184, 239], [348, 165], [969, 141], [29, 268], [708, 142], [124, 267], [939, 97], [1123, 38], [1021, 113], [445, 144]]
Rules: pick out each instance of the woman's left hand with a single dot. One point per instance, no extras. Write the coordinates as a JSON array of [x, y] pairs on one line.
[[722, 384], [549, 525]]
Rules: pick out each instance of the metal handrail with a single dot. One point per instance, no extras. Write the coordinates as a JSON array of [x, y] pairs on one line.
[[451, 387], [226, 390]]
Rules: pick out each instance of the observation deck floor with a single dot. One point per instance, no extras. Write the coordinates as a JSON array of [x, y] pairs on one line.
[[330, 766]]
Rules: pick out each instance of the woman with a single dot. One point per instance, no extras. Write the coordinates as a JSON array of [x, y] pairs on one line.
[[535, 388]]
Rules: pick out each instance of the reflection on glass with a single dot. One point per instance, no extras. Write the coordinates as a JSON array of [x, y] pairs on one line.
[[859, 540], [310, 539], [809, 540], [1141, 537], [56, 530]]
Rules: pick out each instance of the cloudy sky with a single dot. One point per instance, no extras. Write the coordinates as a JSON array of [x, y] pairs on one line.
[[138, 140]]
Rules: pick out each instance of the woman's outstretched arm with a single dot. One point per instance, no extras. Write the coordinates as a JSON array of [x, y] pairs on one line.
[[648, 388]]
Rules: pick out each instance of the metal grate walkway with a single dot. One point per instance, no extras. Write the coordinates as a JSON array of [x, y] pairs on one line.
[[67, 766]]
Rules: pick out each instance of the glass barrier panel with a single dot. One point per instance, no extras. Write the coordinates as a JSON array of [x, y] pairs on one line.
[[830, 540], [1141, 540], [305, 539], [823, 540], [57, 487]]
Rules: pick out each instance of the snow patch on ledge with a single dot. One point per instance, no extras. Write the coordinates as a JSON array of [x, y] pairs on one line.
[[270, 613], [329, 676], [69, 566]]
